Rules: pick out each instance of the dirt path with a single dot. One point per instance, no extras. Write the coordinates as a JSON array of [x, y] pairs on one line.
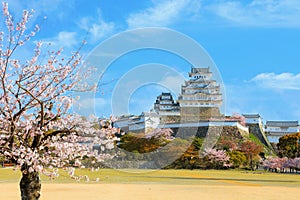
[[10, 191]]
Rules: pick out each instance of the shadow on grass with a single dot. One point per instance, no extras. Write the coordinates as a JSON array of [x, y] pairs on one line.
[[223, 179]]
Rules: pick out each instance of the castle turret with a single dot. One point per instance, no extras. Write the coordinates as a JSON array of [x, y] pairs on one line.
[[166, 106]]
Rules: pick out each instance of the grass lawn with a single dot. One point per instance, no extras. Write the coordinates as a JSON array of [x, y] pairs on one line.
[[161, 184]]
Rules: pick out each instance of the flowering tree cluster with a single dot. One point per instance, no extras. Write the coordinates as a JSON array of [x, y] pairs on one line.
[[288, 151], [240, 153], [239, 118], [216, 159], [228, 152], [37, 132], [282, 164]]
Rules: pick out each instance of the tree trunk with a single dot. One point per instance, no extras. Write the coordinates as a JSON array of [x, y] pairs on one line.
[[30, 185]]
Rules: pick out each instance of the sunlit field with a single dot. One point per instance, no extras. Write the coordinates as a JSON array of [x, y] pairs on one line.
[[160, 184]]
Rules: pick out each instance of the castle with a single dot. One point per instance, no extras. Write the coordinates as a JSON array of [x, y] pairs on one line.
[[198, 105], [200, 98]]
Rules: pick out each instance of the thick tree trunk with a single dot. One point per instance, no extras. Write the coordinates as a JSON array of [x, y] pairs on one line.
[[30, 186]]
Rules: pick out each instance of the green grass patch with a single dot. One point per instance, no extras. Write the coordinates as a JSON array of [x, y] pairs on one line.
[[179, 177]]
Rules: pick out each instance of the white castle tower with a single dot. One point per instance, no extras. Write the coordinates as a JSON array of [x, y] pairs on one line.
[[200, 96]]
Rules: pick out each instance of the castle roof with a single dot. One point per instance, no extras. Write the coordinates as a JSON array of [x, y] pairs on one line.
[[251, 115], [199, 70], [282, 123]]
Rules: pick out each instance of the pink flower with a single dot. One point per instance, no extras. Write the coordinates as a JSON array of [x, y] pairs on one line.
[[5, 8]]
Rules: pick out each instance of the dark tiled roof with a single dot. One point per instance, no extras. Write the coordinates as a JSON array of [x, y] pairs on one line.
[[282, 123]]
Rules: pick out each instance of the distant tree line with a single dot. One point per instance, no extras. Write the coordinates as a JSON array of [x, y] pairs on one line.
[[288, 155]]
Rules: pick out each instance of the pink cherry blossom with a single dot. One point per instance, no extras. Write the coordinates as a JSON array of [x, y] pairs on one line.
[[38, 132], [217, 158]]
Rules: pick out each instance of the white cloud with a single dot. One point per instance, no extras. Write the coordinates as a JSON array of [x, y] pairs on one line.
[[163, 13], [286, 81], [64, 39], [97, 28], [67, 39], [266, 94], [274, 13]]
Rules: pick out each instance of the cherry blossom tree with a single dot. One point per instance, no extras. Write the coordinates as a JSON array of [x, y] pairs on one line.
[[37, 132], [239, 117], [275, 163], [216, 158], [278, 164]]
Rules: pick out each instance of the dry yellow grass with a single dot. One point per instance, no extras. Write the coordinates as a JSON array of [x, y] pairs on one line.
[[154, 191], [161, 184]]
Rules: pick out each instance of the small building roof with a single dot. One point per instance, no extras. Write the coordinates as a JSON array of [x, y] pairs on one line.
[[251, 115], [282, 123]]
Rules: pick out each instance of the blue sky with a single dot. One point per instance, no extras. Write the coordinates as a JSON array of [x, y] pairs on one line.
[[254, 44]]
